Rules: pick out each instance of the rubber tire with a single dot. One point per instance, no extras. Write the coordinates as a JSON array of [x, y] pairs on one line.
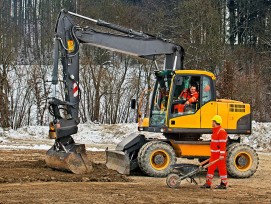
[[169, 180], [144, 158], [141, 158], [233, 150]]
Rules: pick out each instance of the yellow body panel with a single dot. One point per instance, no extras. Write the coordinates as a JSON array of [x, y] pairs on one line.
[[207, 112], [190, 150], [227, 101], [230, 111], [202, 118], [233, 117], [145, 122], [186, 121], [222, 110]]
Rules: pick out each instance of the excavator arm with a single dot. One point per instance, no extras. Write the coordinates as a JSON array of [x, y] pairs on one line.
[[65, 153]]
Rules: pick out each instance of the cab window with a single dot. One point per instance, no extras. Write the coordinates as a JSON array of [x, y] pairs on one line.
[[207, 92], [185, 95], [160, 100]]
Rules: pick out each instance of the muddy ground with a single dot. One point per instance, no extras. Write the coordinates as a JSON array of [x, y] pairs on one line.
[[24, 178]]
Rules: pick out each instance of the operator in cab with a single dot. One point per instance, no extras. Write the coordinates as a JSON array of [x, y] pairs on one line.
[[188, 96]]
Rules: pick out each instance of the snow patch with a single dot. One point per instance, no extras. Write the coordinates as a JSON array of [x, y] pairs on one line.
[[103, 134], [260, 139], [94, 149]]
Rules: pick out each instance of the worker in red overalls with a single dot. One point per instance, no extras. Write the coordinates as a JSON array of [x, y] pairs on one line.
[[218, 151], [189, 95]]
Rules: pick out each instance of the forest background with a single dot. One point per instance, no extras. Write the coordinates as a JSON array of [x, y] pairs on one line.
[[231, 38]]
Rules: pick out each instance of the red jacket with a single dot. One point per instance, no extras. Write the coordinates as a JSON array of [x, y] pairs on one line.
[[219, 141], [191, 98]]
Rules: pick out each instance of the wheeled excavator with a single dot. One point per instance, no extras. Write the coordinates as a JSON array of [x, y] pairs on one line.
[[166, 133]]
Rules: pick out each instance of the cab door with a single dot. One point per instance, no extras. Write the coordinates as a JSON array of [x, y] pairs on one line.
[[189, 117], [208, 102]]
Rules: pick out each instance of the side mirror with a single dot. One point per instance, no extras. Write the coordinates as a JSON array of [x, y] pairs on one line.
[[133, 103]]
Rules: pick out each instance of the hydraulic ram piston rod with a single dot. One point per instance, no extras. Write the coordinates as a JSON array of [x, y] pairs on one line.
[[112, 26]]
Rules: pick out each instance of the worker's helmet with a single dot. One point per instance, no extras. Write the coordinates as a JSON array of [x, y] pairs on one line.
[[217, 119]]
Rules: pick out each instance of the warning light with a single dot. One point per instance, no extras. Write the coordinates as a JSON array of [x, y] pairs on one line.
[[70, 46]]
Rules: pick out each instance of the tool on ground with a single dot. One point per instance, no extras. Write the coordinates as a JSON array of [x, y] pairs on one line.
[[186, 171]]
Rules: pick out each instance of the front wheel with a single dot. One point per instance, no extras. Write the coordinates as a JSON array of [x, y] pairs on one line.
[[173, 180], [242, 161], [156, 158]]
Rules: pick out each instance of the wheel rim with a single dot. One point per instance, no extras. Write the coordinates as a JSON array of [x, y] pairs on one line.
[[159, 159], [243, 161], [172, 181]]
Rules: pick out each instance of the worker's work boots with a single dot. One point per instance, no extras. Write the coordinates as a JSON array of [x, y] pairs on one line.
[[221, 186], [205, 186]]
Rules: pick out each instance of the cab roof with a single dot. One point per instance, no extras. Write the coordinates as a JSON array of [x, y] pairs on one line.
[[196, 72]]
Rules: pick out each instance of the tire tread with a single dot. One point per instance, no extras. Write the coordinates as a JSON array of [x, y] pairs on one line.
[[232, 171], [143, 158]]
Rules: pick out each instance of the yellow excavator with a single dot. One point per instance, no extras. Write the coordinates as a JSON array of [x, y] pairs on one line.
[[166, 133]]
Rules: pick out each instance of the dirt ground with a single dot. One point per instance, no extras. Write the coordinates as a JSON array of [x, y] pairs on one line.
[[24, 178]]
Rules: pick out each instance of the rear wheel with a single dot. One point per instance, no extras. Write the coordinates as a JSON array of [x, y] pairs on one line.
[[242, 161], [155, 158]]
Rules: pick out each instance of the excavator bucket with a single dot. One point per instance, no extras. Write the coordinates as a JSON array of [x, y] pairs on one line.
[[74, 160], [118, 161]]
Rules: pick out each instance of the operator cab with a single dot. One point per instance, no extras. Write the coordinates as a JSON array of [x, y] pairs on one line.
[[169, 106]]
